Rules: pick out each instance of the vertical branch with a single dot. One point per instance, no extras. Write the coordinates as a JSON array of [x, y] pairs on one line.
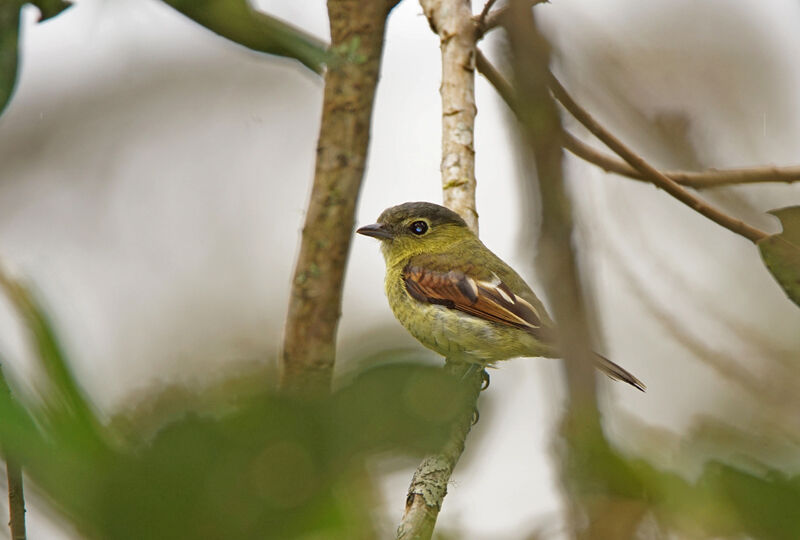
[[357, 30], [16, 495], [16, 501], [541, 126], [452, 21]]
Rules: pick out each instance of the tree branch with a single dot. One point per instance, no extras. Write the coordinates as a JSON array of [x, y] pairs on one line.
[[492, 20], [480, 20], [357, 30], [541, 126], [452, 21], [429, 483], [16, 501], [698, 180], [649, 172], [540, 123], [634, 162]]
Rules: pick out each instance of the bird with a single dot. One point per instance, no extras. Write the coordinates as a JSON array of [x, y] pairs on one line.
[[458, 298]]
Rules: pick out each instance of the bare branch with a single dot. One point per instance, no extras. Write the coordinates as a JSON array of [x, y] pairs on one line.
[[494, 19], [429, 484], [357, 29], [541, 126], [698, 180], [540, 123], [452, 21], [16, 501], [651, 173], [481, 19], [636, 162]]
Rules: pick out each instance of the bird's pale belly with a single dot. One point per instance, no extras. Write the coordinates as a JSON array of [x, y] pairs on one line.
[[458, 336]]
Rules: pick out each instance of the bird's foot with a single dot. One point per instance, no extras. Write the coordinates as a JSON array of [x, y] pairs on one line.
[[485, 380]]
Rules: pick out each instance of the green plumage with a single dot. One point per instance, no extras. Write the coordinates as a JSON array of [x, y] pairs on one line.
[[457, 297]]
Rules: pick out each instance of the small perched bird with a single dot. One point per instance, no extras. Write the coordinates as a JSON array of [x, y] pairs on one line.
[[457, 297]]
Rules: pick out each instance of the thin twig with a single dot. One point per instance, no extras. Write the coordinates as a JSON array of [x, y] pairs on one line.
[[636, 162], [16, 501], [494, 19], [481, 20], [309, 345], [698, 180], [651, 173]]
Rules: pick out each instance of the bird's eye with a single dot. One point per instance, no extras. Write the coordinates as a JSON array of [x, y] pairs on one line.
[[419, 228]]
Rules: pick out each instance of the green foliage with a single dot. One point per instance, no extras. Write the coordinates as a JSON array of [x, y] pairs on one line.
[[237, 21], [271, 466], [724, 500], [781, 252], [9, 36]]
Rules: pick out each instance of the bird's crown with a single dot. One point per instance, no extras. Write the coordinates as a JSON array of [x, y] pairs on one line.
[[433, 213]]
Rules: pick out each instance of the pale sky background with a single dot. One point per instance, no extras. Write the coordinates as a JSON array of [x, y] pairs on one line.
[[153, 181]]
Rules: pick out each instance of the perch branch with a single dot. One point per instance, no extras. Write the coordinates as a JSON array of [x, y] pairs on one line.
[[452, 21], [429, 483], [357, 30]]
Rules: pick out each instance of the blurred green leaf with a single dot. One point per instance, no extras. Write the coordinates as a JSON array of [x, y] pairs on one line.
[[237, 21], [9, 37], [265, 465], [781, 252], [724, 501]]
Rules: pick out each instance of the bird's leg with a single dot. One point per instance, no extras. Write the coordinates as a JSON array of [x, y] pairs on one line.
[[471, 369], [485, 380]]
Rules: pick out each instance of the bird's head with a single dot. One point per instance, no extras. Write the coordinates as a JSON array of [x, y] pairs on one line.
[[416, 227]]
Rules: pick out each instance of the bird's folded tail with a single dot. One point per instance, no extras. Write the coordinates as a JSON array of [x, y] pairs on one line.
[[617, 372]]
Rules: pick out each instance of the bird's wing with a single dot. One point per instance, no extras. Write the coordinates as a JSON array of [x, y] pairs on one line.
[[475, 291]]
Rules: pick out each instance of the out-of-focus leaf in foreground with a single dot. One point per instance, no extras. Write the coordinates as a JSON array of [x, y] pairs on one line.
[[237, 21], [271, 466], [724, 501], [9, 36], [781, 252]]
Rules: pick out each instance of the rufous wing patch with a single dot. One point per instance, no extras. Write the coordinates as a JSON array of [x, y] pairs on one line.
[[491, 301]]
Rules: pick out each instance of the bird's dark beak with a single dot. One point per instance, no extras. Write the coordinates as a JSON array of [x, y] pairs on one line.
[[376, 230]]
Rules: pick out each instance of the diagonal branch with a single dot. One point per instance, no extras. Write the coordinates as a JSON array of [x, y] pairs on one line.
[[480, 20], [648, 171], [634, 161], [698, 180], [490, 20]]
